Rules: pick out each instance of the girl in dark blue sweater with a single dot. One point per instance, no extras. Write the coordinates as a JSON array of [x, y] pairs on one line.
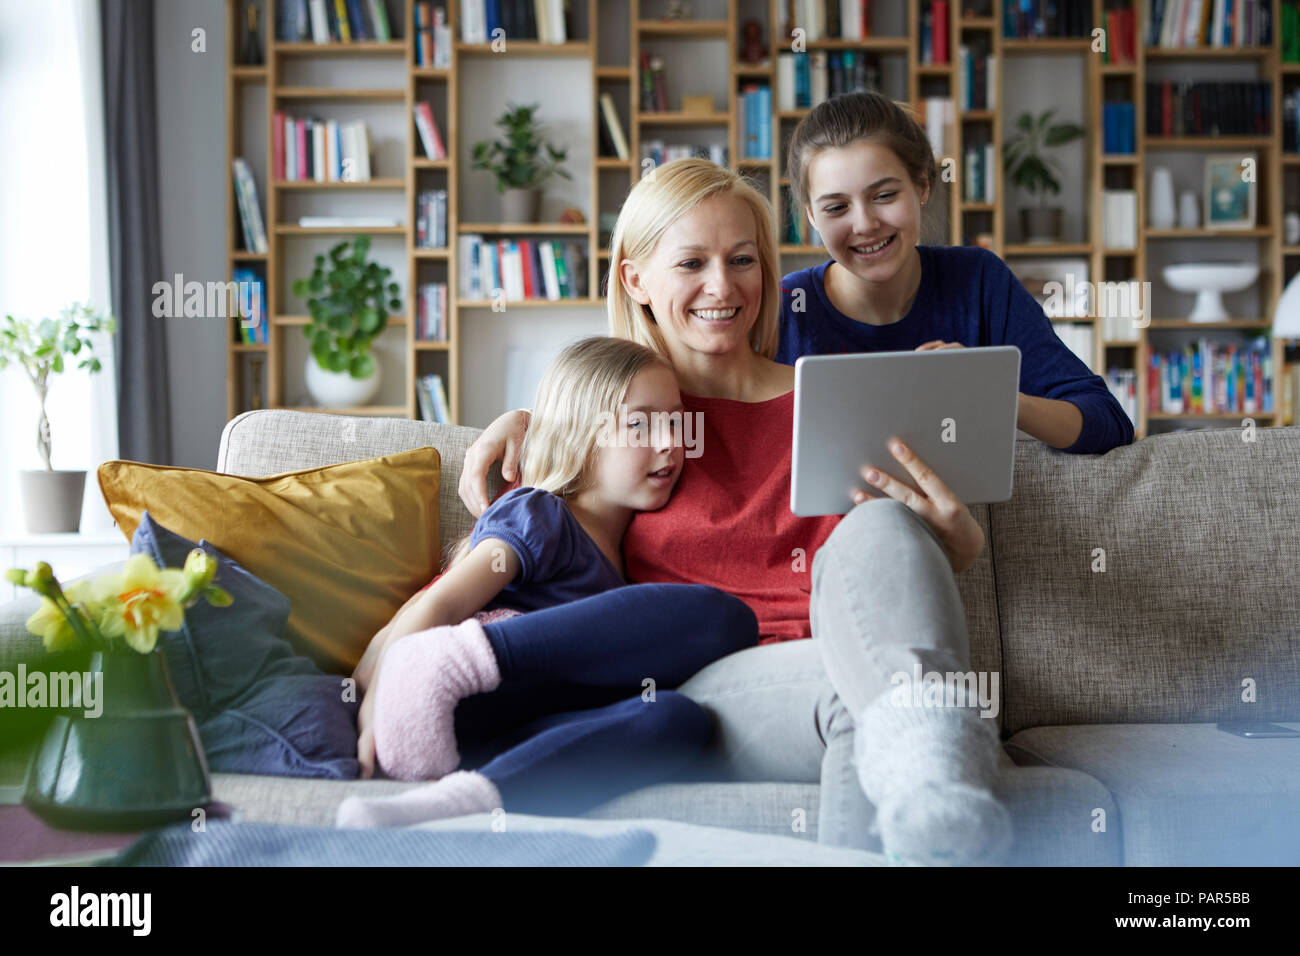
[[862, 168]]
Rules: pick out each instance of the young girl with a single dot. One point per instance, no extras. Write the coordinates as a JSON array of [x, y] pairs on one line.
[[504, 654], [862, 168]]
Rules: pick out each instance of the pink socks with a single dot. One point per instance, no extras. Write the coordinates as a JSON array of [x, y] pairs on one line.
[[456, 795], [423, 676]]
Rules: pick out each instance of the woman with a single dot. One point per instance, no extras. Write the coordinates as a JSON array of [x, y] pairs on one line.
[[696, 280], [861, 167]]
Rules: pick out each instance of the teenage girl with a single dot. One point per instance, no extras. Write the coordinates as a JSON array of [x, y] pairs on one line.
[[862, 168], [503, 654]]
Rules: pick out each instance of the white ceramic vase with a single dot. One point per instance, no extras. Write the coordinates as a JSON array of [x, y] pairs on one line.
[[339, 389], [1164, 207]]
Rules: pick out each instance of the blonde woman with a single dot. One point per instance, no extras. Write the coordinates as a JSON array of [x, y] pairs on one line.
[[503, 654], [695, 280]]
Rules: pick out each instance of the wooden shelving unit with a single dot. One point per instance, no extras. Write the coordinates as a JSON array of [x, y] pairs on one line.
[[716, 35]]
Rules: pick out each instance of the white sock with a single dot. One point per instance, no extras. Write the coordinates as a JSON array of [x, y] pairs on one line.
[[455, 795], [931, 772]]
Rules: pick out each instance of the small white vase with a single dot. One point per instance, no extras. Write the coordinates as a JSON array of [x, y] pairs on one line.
[[1164, 210], [1189, 211], [339, 389]]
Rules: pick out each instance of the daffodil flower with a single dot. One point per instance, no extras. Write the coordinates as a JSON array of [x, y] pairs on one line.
[[140, 602], [200, 569]]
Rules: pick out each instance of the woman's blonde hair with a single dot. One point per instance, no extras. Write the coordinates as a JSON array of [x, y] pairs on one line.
[[579, 394], [653, 205]]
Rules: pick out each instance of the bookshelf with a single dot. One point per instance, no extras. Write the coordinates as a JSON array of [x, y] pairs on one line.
[[702, 57]]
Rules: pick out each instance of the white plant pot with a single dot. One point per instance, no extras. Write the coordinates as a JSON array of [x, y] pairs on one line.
[[52, 500], [339, 389]]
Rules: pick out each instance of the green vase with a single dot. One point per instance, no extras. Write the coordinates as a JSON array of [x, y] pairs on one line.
[[137, 764]]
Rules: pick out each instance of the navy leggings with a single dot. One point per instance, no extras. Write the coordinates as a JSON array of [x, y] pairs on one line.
[[576, 719]]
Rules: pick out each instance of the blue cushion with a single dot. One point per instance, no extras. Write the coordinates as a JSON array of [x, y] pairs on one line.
[[260, 707]]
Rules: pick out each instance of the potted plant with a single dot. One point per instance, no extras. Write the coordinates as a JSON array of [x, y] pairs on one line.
[[518, 163], [1035, 173], [349, 305], [121, 752], [52, 499]]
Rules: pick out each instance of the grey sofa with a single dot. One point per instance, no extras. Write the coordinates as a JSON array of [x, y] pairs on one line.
[[1128, 602]]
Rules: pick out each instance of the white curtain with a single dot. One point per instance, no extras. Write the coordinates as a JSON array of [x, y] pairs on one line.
[[54, 237]]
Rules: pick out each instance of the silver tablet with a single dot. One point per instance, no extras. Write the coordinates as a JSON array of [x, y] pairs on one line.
[[955, 408]]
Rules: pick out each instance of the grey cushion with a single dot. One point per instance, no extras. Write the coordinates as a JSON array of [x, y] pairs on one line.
[[1187, 794], [1201, 590]]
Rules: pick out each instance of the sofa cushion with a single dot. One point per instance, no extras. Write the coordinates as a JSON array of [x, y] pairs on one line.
[[260, 708], [348, 544], [269, 441], [1198, 608], [1187, 794]]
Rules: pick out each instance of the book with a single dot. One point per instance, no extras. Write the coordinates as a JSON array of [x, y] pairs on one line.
[[250, 209], [609, 115]]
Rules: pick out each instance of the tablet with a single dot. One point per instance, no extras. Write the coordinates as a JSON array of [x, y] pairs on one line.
[[955, 408]]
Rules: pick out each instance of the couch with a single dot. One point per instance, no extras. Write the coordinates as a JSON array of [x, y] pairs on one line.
[[1128, 602]]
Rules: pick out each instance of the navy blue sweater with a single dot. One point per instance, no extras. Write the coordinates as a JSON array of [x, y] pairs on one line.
[[967, 295]]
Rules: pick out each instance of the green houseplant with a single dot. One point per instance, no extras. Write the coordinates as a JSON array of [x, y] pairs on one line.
[[1034, 172], [349, 299], [519, 164], [121, 752], [44, 348]]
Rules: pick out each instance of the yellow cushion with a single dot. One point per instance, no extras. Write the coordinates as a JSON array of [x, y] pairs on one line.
[[346, 544]]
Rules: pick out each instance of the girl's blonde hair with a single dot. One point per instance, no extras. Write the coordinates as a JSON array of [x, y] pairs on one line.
[[580, 392], [853, 117], [653, 205]]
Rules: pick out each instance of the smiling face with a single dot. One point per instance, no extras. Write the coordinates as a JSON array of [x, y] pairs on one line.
[[704, 280], [639, 467], [866, 208]]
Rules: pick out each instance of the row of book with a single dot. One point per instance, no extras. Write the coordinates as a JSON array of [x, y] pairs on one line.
[[1122, 383], [1290, 33], [1119, 127], [796, 229], [1121, 37], [935, 29], [1208, 377], [1209, 109], [977, 79], [432, 397], [654, 92], [322, 150], [546, 21], [1077, 337], [659, 152], [251, 306], [1119, 219], [979, 173], [1022, 19], [431, 312], [432, 36], [803, 79], [431, 219], [831, 19], [756, 121], [1180, 24], [1291, 122], [251, 225], [332, 21], [521, 269], [430, 135]]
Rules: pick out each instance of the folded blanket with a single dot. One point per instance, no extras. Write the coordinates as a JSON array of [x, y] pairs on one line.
[[259, 844]]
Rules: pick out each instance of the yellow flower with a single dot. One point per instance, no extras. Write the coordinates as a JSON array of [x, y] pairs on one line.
[[200, 569], [140, 602], [51, 625]]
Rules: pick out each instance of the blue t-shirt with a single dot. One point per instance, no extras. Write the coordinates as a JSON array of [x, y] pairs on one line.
[[967, 295], [559, 561]]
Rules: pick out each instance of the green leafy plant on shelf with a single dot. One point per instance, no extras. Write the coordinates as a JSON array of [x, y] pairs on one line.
[[349, 299], [1024, 158], [517, 160]]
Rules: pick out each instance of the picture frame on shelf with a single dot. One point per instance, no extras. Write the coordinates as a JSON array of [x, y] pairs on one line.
[[1230, 196]]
